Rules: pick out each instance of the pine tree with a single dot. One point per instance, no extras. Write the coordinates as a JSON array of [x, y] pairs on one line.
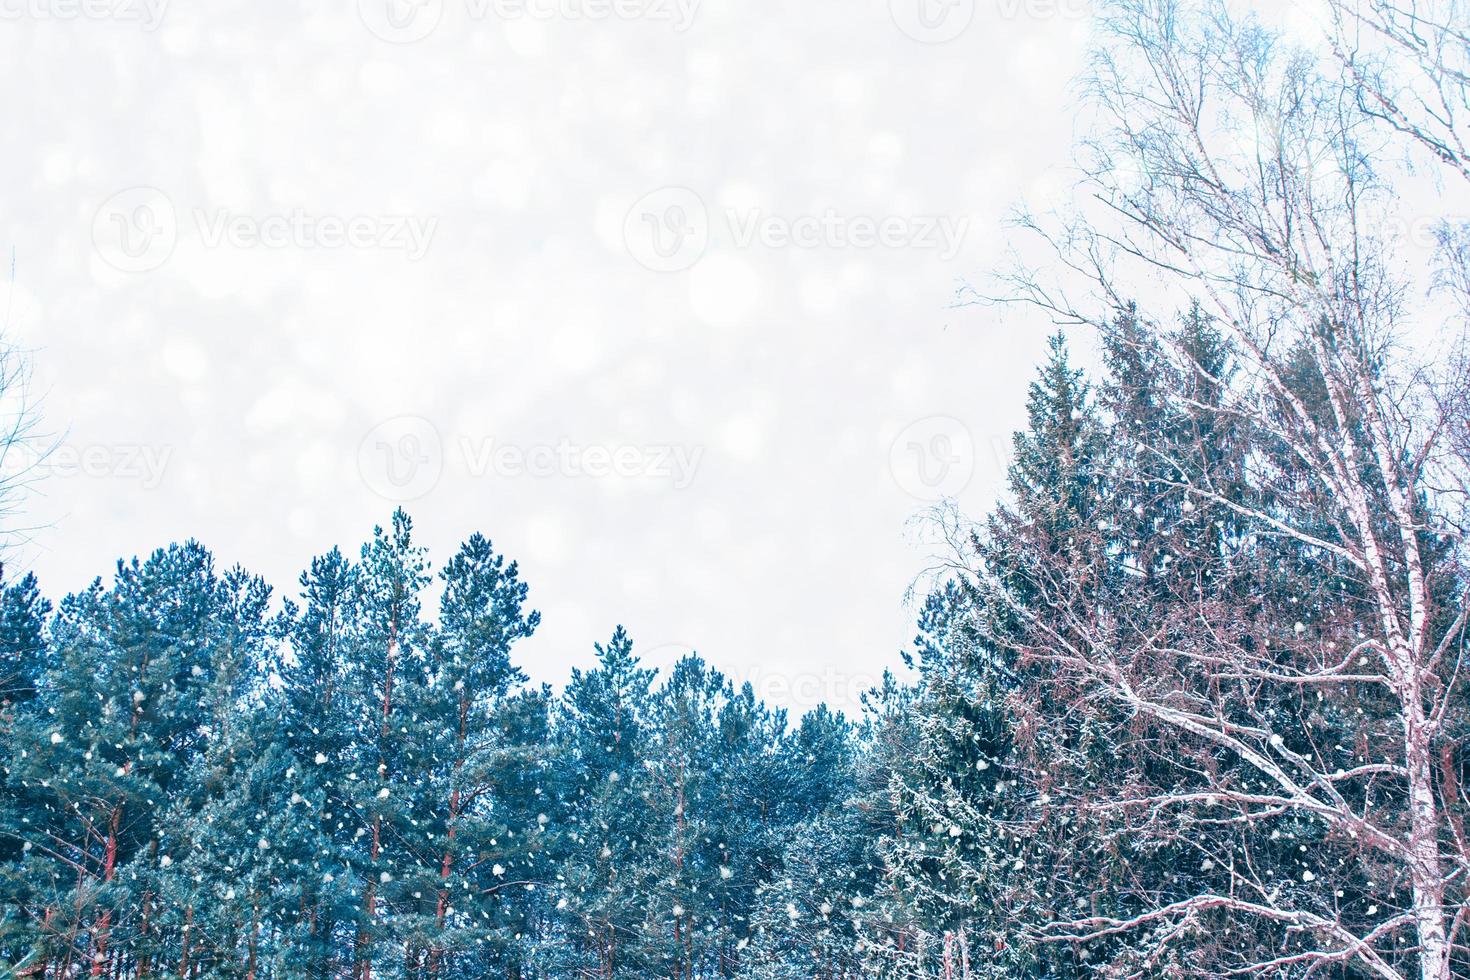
[[677, 803], [482, 740], [122, 716], [813, 894], [755, 796], [315, 709], [605, 737], [385, 675], [23, 615], [220, 803]]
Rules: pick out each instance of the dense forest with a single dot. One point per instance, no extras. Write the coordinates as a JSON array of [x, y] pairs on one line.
[[200, 784], [1190, 701]]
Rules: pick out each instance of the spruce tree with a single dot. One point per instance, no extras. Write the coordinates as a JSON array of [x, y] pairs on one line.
[[964, 870]]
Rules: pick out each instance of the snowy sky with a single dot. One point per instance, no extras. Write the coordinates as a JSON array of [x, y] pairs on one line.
[[656, 293]]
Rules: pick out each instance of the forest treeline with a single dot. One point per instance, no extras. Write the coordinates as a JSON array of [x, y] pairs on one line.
[[1190, 701], [199, 783]]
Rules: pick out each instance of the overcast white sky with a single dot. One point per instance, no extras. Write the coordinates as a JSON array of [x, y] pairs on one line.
[[658, 294]]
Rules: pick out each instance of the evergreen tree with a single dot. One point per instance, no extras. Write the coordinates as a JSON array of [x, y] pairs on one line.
[[605, 736], [23, 615], [315, 709], [966, 860], [122, 713], [385, 674], [482, 742], [810, 908]]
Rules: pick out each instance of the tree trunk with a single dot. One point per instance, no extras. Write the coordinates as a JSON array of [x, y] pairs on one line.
[[1425, 870], [109, 868], [185, 942], [252, 942]]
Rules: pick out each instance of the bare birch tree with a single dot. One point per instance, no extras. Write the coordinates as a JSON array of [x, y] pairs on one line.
[[1409, 62], [1232, 169]]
